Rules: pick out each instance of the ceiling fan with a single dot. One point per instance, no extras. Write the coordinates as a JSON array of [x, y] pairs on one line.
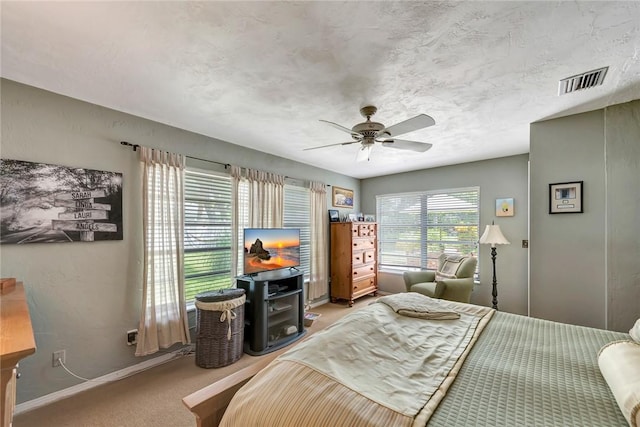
[[368, 133]]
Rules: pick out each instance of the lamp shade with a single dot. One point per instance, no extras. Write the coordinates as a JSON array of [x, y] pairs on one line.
[[493, 236]]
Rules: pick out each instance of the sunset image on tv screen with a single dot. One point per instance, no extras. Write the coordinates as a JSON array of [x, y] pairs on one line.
[[270, 249]]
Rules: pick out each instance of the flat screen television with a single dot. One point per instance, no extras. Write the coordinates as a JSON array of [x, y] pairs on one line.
[[267, 249]]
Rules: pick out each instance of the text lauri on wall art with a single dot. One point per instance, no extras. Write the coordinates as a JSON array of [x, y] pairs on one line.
[[42, 203], [86, 210]]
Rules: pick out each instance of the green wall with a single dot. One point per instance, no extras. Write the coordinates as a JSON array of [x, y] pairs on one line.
[[584, 266], [497, 178], [83, 297]]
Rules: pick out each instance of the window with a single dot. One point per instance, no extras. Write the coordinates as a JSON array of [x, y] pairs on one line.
[[416, 228], [207, 232], [297, 211]]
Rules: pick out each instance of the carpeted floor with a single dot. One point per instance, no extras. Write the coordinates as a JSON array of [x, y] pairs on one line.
[[153, 397]]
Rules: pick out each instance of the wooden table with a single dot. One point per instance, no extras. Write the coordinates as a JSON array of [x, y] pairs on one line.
[[16, 343]]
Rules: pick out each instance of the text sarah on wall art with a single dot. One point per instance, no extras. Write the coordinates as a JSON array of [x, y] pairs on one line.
[[42, 203]]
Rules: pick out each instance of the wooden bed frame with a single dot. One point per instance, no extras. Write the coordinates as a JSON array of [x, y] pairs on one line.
[[209, 403]]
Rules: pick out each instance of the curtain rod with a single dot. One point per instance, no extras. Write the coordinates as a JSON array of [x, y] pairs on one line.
[[136, 146], [226, 165]]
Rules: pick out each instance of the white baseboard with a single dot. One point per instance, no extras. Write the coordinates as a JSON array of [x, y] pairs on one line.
[[95, 382]]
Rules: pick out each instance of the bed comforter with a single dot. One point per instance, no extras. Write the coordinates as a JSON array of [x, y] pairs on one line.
[[378, 368]]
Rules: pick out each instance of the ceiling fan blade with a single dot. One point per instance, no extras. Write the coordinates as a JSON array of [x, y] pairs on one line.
[[331, 145], [418, 122], [342, 128], [403, 144], [364, 153]]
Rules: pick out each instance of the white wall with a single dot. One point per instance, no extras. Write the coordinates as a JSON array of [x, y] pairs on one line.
[[83, 297], [497, 178]]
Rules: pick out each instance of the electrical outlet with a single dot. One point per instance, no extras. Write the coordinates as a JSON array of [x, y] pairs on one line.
[[57, 356], [132, 337]]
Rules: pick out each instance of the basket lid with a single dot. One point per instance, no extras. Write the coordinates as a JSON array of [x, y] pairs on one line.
[[221, 295]]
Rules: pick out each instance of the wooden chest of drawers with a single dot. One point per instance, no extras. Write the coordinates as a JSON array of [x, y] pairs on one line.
[[353, 260]]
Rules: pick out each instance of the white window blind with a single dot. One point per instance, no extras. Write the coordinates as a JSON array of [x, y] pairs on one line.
[[416, 228], [297, 210], [207, 232]]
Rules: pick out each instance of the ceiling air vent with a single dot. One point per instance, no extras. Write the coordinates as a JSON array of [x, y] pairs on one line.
[[582, 81]]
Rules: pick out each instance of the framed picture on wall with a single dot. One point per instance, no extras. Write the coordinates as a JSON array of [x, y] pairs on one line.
[[565, 197], [48, 203], [342, 198], [504, 207]]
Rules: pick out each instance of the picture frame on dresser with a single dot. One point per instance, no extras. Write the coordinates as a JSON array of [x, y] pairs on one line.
[[334, 215]]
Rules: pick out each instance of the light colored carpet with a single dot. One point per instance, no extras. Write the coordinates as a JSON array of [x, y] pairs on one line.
[[154, 397]]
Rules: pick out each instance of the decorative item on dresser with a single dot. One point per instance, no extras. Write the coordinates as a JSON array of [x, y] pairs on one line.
[[353, 260]]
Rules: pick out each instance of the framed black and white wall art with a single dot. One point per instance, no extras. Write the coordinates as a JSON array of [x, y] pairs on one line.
[[44, 203]]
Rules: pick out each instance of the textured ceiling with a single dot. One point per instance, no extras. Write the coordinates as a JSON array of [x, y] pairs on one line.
[[261, 74]]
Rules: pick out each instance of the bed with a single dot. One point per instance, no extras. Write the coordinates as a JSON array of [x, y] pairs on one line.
[[409, 360]]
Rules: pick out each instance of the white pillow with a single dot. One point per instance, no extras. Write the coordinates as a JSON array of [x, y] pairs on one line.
[[619, 363], [443, 276], [635, 331]]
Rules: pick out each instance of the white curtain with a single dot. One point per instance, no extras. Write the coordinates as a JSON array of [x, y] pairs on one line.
[[319, 275], [257, 201], [163, 320]]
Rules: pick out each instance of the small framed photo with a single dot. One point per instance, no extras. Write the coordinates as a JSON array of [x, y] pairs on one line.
[[504, 207], [565, 197], [334, 215], [353, 217], [342, 198]]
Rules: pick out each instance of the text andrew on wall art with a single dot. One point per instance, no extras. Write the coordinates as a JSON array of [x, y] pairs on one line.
[[42, 203]]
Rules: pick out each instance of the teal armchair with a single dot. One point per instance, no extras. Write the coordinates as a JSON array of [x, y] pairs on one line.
[[452, 281]]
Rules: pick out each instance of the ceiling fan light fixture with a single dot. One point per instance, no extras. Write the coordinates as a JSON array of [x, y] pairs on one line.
[[364, 153], [369, 133]]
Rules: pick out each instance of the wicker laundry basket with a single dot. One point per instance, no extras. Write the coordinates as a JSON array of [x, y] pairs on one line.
[[219, 327]]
